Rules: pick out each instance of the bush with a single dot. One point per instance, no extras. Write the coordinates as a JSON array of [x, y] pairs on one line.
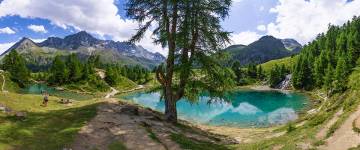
[[290, 127]]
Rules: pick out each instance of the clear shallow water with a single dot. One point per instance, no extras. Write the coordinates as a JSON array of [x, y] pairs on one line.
[[247, 108], [39, 88]]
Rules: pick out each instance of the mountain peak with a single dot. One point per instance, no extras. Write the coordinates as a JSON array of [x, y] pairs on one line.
[[23, 44], [292, 45], [267, 37], [25, 39], [82, 35], [79, 39], [265, 49]]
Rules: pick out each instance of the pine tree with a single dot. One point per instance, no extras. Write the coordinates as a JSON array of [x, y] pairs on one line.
[[275, 76], [340, 75], [191, 30], [236, 67], [75, 68], [15, 64], [329, 78], [59, 72], [260, 73]]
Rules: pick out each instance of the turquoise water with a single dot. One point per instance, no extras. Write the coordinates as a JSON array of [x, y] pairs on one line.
[[39, 88], [247, 108]]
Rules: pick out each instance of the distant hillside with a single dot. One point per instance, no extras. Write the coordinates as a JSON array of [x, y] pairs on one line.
[[265, 49], [287, 61], [85, 45]]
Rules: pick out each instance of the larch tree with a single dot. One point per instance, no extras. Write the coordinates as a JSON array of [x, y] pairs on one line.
[[192, 33], [16, 65]]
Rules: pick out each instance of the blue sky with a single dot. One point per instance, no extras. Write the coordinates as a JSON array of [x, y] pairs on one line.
[[105, 19]]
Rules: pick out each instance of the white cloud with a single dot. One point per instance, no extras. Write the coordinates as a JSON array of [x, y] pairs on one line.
[[303, 20], [7, 30], [245, 37], [261, 27], [37, 28], [5, 46], [91, 15]]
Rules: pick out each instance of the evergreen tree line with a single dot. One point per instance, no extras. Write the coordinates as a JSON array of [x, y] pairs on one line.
[[115, 73], [248, 74], [72, 70], [327, 61], [277, 74]]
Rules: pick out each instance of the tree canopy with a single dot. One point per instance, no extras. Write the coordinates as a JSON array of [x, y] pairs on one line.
[[327, 61], [192, 33]]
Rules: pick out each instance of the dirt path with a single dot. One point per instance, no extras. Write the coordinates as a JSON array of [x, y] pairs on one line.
[[322, 133], [344, 137], [134, 127], [243, 135], [112, 93]]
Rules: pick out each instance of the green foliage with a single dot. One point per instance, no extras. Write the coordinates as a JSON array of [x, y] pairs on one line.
[[15, 64], [329, 77], [340, 75], [327, 61], [287, 61], [192, 32], [76, 75], [251, 71], [248, 75], [193, 144], [277, 74], [137, 73], [290, 127], [116, 76], [59, 72], [75, 68]]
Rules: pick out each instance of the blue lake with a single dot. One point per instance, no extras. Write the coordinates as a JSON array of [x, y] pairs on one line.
[[246, 108], [40, 88]]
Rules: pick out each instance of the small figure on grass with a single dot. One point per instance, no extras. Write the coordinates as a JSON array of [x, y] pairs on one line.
[[46, 99]]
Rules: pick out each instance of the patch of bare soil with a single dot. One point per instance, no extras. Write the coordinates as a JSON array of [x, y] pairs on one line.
[[132, 126], [322, 133], [344, 137], [243, 135]]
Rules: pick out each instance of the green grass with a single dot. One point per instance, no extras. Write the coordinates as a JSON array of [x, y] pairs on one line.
[[125, 84], [355, 148], [193, 144], [287, 61], [152, 135], [10, 85], [52, 127], [117, 145], [356, 129]]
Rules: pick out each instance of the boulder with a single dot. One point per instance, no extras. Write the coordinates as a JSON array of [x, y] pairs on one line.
[[21, 114]]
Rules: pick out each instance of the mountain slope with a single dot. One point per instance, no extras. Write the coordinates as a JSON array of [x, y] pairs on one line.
[[265, 49], [85, 45]]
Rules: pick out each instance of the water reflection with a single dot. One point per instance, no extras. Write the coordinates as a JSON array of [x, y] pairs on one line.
[[247, 108]]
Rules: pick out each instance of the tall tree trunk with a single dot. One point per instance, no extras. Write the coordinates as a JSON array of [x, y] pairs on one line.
[[170, 110], [170, 101]]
